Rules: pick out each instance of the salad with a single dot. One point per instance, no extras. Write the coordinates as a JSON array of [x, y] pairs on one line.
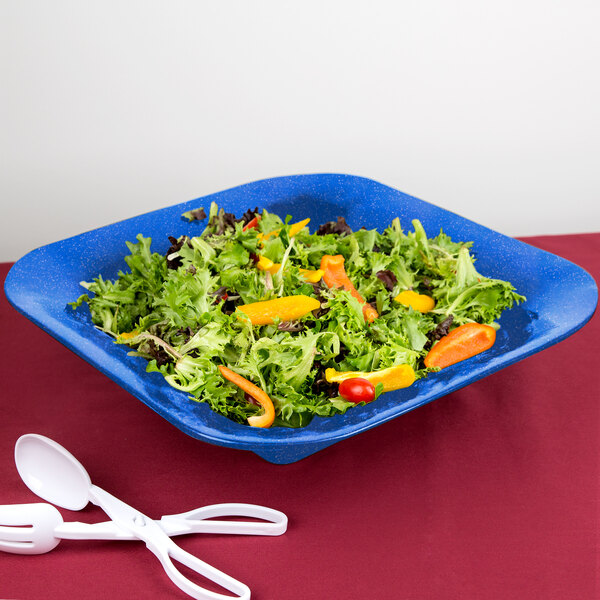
[[273, 325]]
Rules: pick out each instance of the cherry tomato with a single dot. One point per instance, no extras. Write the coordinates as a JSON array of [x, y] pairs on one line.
[[357, 390]]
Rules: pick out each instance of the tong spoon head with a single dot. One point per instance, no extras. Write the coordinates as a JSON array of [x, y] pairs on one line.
[[51, 472]]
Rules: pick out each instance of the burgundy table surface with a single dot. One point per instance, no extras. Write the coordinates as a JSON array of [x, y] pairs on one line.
[[488, 493]]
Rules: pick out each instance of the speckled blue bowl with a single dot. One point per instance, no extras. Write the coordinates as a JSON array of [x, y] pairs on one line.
[[42, 283]]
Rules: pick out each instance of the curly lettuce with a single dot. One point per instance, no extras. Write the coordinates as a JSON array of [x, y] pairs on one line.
[[179, 310]]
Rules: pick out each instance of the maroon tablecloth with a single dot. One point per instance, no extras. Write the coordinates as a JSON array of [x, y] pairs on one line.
[[488, 493]]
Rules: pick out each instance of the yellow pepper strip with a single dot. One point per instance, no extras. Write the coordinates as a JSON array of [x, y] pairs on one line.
[[128, 335], [266, 264], [294, 229], [420, 302], [393, 378], [288, 308], [312, 276], [268, 416], [298, 227]]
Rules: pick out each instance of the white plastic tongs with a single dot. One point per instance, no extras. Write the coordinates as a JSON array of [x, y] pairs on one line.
[[57, 476]]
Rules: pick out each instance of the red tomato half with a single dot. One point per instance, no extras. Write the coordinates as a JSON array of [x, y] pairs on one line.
[[252, 224], [357, 390]]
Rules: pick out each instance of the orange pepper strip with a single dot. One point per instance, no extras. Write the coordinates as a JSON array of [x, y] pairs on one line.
[[461, 343], [334, 275], [267, 418]]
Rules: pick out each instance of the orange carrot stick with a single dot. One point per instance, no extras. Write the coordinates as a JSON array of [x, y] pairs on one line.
[[334, 275], [267, 418], [461, 343]]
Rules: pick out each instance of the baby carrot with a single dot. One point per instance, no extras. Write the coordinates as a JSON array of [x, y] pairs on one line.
[[461, 343], [268, 416]]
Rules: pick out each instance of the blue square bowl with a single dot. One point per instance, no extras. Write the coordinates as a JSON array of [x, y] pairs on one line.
[[42, 283]]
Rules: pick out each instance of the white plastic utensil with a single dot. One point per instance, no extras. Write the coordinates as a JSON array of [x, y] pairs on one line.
[[29, 528], [57, 476], [38, 528], [273, 522]]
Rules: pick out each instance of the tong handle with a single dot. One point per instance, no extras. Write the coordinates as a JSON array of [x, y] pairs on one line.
[[198, 520], [273, 522], [166, 550], [107, 530]]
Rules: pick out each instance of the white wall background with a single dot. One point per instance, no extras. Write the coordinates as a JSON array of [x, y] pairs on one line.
[[113, 108]]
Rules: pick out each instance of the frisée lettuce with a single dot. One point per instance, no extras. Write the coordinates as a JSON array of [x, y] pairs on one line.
[[180, 310]]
